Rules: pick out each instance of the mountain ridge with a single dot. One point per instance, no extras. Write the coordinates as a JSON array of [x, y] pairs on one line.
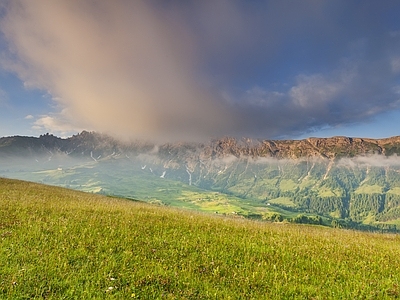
[[84, 142]]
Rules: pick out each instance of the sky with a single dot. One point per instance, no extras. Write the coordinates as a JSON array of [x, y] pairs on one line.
[[195, 70]]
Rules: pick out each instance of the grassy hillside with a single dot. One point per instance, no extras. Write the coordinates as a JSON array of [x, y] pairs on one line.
[[62, 244]]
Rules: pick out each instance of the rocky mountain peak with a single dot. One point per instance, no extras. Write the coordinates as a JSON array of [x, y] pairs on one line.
[[331, 148]]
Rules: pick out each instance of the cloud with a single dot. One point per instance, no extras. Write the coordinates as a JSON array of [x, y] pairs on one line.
[[200, 69], [56, 123], [119, 67], [371, 161], [353, 93], [29, 117]]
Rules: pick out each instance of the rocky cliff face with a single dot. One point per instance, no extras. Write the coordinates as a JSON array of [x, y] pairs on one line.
[[333, 147], [86, 142]]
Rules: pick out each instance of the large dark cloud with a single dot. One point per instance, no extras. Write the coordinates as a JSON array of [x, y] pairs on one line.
[[195, 69]]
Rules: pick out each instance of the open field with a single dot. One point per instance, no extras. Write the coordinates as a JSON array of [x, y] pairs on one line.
[[63, 244]]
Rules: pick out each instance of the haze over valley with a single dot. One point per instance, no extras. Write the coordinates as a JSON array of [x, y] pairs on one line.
[[354, 181]]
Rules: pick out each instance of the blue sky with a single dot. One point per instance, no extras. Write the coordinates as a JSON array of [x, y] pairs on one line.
[[200, 69]]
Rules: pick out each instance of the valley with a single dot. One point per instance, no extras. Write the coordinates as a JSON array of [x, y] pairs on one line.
[[342, 182]]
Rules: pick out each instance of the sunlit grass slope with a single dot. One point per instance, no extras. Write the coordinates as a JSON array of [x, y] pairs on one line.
[[62, 244]]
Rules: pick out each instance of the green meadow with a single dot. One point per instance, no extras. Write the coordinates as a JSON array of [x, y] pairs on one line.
[[57, 243]]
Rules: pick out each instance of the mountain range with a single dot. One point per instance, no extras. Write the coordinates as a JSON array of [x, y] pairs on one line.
[[331, 148], [344, 181]]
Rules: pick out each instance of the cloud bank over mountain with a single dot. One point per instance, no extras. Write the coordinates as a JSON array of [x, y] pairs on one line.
[[200, 69]]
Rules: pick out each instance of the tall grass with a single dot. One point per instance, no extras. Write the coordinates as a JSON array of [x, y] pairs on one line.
[[61, 244]]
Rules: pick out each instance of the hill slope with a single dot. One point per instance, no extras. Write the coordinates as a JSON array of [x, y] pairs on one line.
[[58, 243]]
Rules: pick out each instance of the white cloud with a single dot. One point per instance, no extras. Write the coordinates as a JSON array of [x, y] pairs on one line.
[[29, 117], [56, 123], [371, 160], [315, 90]]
